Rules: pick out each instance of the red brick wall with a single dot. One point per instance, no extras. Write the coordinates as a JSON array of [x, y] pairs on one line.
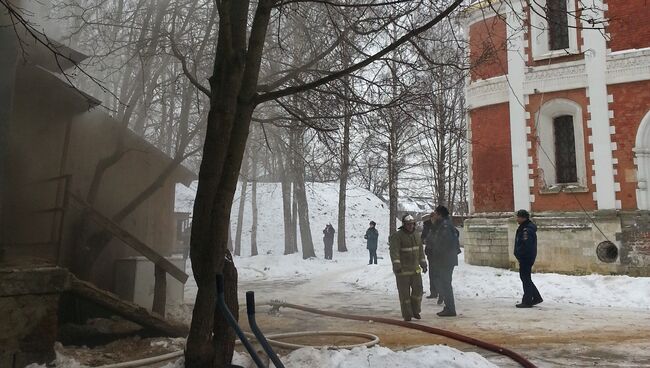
[[491, 159], [487, 48], [631, 103], [560, 201], [629, 24]]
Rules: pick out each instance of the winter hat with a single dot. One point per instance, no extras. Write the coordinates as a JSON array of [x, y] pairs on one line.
[[523, 214], [373, 223], [442, 211]]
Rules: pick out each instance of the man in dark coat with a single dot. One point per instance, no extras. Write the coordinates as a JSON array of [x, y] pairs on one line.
[[445, 247], [428, 226], [328, 239], [526, 252], [371, 236]]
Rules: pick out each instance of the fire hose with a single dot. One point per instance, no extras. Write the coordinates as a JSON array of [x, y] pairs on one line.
[[428, 329], [373, 340]]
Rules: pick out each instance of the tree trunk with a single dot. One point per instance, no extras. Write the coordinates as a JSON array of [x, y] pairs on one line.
[[230, 247], [242, 203], [224, 335], [343, 181], [392, 189], [254, 204], [301, 195], [232, 87], [303, 213], [289, 234], [294, 219]]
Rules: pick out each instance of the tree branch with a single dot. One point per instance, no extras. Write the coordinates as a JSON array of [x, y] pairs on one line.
[[334, 76]]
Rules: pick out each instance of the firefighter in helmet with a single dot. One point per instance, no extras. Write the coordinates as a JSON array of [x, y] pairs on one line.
[[408, 261]]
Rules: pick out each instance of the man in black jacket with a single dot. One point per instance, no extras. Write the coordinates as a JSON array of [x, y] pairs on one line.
[[427, 227], [444, 245], [526, 252], [328, 239]]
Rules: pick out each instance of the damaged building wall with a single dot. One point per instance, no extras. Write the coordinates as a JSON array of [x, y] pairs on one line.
[[568, 242]]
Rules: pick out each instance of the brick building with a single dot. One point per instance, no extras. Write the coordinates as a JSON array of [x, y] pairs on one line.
[[559, 124]]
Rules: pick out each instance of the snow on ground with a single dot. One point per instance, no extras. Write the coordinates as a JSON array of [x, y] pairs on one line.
[[348, 271], [375, 357], [348, 274]]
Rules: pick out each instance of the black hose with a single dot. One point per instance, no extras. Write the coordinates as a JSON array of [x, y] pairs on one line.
[[250, 310], [432, 330], [223, 308]]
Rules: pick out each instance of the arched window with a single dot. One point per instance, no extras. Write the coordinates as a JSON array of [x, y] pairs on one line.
[[642, 154], [565, 149], [561, 148]]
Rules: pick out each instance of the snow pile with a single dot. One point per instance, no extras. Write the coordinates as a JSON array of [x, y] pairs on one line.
[[375, 357]]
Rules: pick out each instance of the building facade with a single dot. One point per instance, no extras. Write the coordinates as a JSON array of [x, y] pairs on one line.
[[559, 124]]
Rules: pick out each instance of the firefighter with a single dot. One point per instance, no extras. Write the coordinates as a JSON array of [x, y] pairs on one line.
[[408, 262]]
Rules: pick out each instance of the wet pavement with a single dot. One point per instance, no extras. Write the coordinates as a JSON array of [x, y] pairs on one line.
[[550, 335]]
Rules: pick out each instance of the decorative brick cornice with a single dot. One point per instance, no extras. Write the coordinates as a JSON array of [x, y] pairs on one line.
[[629, 66], [487, 92], [555, 77]]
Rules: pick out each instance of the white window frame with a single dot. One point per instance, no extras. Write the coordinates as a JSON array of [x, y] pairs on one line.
[[546, 148], [642, 155], [539, 31]]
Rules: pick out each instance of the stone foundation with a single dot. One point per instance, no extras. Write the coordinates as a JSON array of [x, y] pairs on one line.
[[567, 242], [29, 304]]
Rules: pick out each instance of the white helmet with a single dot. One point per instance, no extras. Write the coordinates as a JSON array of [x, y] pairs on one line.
[[408, 219]]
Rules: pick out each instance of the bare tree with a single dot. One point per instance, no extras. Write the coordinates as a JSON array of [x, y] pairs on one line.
[[242, 204]]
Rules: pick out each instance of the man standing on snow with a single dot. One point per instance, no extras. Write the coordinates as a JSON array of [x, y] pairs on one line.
[[371, 236], [526, 252], [427, 227], [444, 248], [408, 261], [328, 239]]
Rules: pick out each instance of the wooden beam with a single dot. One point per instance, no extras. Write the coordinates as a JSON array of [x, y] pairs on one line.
[[159, 291], [132, 241], [126, 309]]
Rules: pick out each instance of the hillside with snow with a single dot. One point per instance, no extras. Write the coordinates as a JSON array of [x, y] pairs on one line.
[[362, 207]]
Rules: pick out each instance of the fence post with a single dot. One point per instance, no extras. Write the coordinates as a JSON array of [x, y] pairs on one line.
[[159, 291]]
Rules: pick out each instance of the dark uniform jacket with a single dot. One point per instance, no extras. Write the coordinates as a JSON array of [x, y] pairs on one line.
[[371, 235], [443, 243], [406, 252], [427, 227], [526, 241]]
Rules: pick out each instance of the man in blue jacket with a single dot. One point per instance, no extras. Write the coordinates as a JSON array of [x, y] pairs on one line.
[[526, 252], [371, 236]]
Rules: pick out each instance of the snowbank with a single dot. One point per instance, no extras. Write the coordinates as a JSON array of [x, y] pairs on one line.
[[375, 357]]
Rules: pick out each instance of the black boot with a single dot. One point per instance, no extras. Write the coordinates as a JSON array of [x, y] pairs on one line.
[[446, 313]]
